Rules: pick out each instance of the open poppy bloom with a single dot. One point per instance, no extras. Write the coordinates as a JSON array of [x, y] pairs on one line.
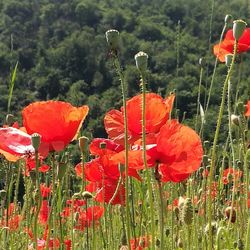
[[247, 113], [227, 45], [103, 173], [15, 144], [177, 152], [57, 122], [157, 114]]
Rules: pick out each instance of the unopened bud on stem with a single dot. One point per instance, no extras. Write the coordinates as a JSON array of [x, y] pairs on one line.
[[238, 28], [141, 60]]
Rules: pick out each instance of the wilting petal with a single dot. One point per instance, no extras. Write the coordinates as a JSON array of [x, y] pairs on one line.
[[14, 143], [57, 122]]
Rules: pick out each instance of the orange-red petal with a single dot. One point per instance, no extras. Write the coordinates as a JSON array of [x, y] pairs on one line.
[[247, 113], [57, 122]]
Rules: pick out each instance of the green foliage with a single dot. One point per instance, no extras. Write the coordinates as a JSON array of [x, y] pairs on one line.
[[62, 52]]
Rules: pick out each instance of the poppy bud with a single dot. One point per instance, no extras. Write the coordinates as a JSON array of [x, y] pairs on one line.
[[240, 244], [83, 143], [235, 119], [141, 60], [206, 144], [2, 194], [228, 212], [228, 59], [205, 160], [9, 119], [87, 195], [102, 145], [112, 37], [179, 243], [187, 212], [157, 243], [167, 232], [238, 28], [202, 62], [36, 141], [228, 18]]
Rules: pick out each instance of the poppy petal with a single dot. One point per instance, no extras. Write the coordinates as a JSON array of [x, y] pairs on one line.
[[59, 127]]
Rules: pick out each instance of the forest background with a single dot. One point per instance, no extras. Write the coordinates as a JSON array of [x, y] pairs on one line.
[[62, 53]]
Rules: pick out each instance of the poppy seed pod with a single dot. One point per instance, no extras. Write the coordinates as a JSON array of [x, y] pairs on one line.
[[36, 141], [112, 37], [228, 18], [228, 59], [103, 145], [2, 194], [83, 143], [141, 60], [235, 119], [238, 28], [187, 212]]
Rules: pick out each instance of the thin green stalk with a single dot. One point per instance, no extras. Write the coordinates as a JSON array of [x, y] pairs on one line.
[[123, 88], [161, 215], [143, 85], [198, 100], [216, 137], [11, 87], [206, 104]]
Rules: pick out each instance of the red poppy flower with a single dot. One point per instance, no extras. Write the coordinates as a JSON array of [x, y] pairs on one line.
[[140, 243], [227, 45], [57, 122], [157, 113], [105, 191], [88, 217], [45, 191], [247, 113], [233, 173], [15, 144], [44, 212]]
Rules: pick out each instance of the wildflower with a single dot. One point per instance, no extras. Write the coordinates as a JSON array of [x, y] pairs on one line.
[[44, 212], [227, 45], [45, 191], [61, 125], [140, 243], [230, 174], [157, 113]]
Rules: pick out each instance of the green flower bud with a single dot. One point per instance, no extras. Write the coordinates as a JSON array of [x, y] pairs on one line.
[[187, 212], [228, 18], [202, 62], [9, 119], [238, 28], [87, 195], [141, 60], [2, 194], [83, 144], [36, 141], [112, 37], [235, 119]]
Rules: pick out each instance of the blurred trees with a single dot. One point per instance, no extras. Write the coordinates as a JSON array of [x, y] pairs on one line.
[[61, 49]]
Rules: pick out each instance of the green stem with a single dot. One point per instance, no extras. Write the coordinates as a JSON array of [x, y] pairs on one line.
[[143, 85], [198, 100], [122, 79], [161, 216], [213, 154]]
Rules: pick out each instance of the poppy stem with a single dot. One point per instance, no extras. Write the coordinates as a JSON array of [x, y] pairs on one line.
[[213, 154], [161, 216], [120, 73], [143, 87]]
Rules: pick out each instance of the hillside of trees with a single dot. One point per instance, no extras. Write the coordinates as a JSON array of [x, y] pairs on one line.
[[62, 53]]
